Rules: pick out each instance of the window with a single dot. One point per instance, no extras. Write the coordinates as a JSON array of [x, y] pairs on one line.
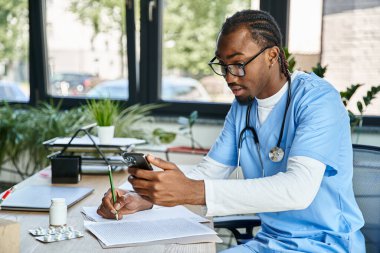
[[166, 60], [14, 80], [86, 48], [178, 40], [190, 29]]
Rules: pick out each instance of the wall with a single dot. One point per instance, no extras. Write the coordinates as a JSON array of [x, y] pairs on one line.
[[351, 46], [206, 134]]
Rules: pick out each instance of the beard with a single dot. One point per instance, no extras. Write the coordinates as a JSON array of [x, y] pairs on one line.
[[244, 100]]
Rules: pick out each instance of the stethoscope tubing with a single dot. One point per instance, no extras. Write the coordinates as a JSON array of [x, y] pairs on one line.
[[254, 133]]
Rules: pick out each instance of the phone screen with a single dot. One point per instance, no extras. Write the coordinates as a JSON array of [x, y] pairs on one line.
[[136, 160]]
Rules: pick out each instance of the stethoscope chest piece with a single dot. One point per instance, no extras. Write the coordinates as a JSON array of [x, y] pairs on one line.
[[276, 154]]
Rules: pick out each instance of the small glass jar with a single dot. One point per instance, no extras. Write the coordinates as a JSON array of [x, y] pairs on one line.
[[58, 212]]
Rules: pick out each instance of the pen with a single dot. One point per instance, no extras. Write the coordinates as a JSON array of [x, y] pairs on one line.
[[7, 193], [112, 189]]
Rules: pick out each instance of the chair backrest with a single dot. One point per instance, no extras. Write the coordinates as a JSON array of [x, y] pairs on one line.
[[366, 183]]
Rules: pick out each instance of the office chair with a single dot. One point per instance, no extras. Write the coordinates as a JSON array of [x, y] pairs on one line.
[[235, 224], [366, 184]]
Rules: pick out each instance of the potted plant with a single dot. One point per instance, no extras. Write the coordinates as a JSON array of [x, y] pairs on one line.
[[105, 113], [24, 153], [186, 130], [131, 119]]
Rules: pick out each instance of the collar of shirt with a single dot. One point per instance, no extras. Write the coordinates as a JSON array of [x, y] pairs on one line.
[[266, 105]]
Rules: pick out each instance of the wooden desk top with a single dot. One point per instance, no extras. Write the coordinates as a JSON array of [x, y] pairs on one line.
[[88, 243]]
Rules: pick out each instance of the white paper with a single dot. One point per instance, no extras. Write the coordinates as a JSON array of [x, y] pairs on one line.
[[127, 186], [124, 233], [158, 213], [183, 240]]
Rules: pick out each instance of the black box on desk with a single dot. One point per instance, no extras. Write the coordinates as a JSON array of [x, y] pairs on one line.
[[66, 169]]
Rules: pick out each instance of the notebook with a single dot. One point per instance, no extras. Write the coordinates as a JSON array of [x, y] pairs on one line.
[[38, 197]]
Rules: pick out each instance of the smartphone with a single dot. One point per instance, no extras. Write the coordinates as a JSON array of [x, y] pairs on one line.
[[136, 160]]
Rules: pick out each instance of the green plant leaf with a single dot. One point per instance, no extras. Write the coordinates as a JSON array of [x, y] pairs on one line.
[[354, 120], [349, 92], [104, 111], [130, 120], [290, 59], [193, 118], [367, 99], [186, 128], [359, 106], [370, 95], [319, 70], [27, 127], [164, 136]]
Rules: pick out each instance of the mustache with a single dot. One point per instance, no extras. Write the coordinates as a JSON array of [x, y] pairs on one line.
[[230, 85]]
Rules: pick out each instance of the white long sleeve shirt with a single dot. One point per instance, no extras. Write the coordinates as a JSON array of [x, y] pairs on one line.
[[295, 189]]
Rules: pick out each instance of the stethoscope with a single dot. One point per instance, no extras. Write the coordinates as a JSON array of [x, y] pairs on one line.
[[276, 154]]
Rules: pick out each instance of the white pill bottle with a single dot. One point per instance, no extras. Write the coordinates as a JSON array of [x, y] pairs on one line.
[[58, 212]]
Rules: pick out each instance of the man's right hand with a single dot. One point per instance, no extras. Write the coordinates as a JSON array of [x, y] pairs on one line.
[[126, 203]]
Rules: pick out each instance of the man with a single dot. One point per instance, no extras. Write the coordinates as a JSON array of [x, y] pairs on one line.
[[294, 149]]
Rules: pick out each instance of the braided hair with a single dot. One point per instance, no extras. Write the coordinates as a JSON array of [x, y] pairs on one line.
[[264, 31]]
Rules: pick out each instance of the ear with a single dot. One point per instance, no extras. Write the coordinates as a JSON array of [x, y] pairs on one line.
[[273, 55]]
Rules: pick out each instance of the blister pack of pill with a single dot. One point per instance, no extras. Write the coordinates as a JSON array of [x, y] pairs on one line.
[[55, 234]]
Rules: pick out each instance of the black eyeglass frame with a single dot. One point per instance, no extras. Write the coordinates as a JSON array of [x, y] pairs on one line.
[[239, 65]]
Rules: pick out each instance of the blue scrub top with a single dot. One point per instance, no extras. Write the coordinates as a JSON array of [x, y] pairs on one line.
[[316, 126]]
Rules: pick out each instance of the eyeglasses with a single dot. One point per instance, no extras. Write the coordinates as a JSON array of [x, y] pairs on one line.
[[236, 69]]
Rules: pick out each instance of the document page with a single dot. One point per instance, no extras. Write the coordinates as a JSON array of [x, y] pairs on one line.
[[127, 186], [124, 233], [158, 213]]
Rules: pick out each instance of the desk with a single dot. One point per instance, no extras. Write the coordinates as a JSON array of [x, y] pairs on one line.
[[88, 243]]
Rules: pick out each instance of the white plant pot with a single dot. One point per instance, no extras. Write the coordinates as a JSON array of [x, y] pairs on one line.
[[105, 134]]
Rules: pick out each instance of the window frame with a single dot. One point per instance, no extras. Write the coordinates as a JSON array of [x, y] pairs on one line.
[[38, 58], [38, 75]]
